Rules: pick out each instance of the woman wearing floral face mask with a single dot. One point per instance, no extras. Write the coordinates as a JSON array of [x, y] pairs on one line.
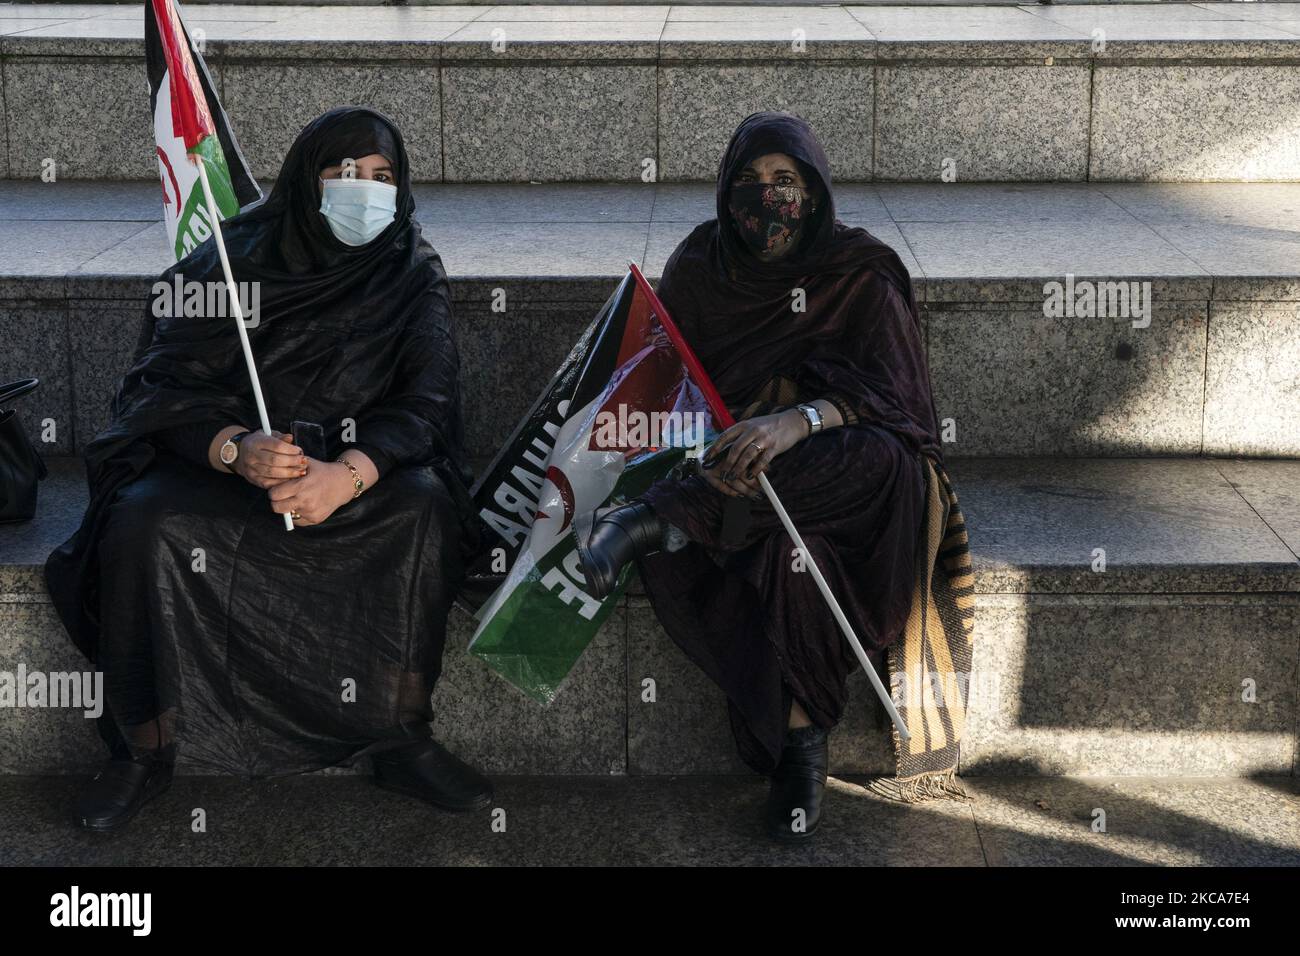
[[811, 333], [224, 639]]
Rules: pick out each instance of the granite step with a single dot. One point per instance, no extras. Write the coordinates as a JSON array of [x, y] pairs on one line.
[[1179, 654], [1213, 368], [513, 93]]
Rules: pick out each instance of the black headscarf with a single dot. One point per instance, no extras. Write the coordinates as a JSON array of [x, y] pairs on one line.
[[860, 334], [319, 298], [361, 334], [286, 241]]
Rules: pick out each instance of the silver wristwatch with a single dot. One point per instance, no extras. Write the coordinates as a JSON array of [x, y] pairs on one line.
[[814, 417], [229, 452]]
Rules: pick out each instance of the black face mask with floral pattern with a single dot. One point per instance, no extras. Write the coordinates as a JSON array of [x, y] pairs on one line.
[[769, 217]]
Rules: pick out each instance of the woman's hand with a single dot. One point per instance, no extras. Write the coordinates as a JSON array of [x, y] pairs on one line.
[[269, 460], [326, 487], [745, 450]]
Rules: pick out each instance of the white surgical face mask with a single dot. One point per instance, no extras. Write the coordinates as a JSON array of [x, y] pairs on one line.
[[357, 210]]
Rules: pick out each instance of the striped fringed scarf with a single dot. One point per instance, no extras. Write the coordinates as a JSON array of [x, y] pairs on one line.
[[930, 664]]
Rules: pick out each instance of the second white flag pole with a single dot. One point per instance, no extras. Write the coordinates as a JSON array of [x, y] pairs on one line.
[[834, 605]]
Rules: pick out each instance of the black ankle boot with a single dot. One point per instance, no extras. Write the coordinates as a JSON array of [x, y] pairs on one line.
[[625, 534], [794, 802], [117, 792], [428, 771]]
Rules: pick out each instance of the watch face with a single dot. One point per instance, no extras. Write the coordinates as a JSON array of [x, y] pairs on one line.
[[229, 451]]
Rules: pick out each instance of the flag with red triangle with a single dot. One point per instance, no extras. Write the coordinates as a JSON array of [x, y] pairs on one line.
[[188, 120], [629, 404]]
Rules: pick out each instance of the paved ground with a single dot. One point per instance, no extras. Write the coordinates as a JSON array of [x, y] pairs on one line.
[[346, 820]]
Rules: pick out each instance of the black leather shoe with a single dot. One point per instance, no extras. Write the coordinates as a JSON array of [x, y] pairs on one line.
[[623, 535], [119, 790], [794, 802], [428, 771]]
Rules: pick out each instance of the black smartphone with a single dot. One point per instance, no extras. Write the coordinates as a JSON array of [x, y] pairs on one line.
[[735, 522], [310, 437]]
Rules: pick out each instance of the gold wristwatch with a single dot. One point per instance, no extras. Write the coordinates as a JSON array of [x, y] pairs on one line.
[[358, 484]]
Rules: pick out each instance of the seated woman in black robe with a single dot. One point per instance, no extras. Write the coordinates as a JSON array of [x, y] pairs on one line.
[[811, 333], [223, 637]]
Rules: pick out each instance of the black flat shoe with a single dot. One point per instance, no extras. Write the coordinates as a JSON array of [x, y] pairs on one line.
[[119, 790], [794, 801], [623, 535], [428, 771]]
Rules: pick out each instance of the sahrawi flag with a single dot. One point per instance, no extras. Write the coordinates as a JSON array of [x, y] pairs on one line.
[[188, 118], [628, 404]]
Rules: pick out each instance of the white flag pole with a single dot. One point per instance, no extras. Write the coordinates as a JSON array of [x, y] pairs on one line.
[[215, 221], [834, 605]]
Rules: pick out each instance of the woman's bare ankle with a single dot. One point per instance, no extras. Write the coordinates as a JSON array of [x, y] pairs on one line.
[[798, 717]]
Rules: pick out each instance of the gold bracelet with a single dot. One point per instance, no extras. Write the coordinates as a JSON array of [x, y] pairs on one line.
[[357, 484]]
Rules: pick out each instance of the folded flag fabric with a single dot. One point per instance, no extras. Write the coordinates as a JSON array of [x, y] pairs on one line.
[[627, 405], [188, 118]]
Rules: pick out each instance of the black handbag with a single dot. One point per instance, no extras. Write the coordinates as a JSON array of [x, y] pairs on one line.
[[21, 467]]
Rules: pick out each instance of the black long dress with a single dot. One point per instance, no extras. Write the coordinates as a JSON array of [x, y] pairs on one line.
[[226, 640], [745, 612]]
